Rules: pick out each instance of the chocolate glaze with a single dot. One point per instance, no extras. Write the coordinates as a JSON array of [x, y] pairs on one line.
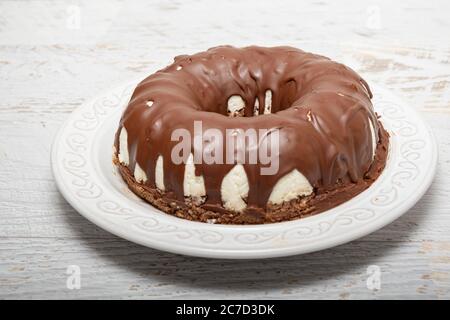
[[301, 207], [321, 108]]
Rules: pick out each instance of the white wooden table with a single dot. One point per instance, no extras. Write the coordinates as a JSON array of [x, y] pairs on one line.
[[54, 55]]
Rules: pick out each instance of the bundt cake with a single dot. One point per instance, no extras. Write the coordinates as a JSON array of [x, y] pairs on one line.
[[250, 135]]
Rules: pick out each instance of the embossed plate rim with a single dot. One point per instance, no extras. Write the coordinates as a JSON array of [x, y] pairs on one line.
[[130, 218]]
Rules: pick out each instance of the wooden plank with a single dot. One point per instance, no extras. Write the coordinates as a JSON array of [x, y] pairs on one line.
[[115, 268]]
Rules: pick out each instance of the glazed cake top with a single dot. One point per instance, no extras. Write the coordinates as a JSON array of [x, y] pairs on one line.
[[321, 109]]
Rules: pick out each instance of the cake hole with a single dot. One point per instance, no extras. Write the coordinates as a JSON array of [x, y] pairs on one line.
[[150, 103], [179, 68], [248, 102]]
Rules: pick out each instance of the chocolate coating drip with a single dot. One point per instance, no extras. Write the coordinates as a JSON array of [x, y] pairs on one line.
[[321, 108]]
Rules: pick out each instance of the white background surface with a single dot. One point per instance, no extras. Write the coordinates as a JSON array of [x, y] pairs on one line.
[[54, 55]]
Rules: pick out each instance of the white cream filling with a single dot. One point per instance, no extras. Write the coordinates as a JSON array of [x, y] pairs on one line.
[[374, 139], [290, 186], [193, 186], [139, 174], [256, 107], [234, 189], [268, 102], [235, 105], [159, 174], [123, 147]]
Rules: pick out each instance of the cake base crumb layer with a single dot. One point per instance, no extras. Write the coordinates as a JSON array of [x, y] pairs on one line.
[[317, 202]]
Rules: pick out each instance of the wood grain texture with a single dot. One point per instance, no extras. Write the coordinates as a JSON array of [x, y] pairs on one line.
[[54, 55]]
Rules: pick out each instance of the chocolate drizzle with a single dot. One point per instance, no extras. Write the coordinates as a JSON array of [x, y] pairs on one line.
[[321, 108]]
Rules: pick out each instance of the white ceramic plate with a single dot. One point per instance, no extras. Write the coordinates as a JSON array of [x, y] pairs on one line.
[[82, 166]]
